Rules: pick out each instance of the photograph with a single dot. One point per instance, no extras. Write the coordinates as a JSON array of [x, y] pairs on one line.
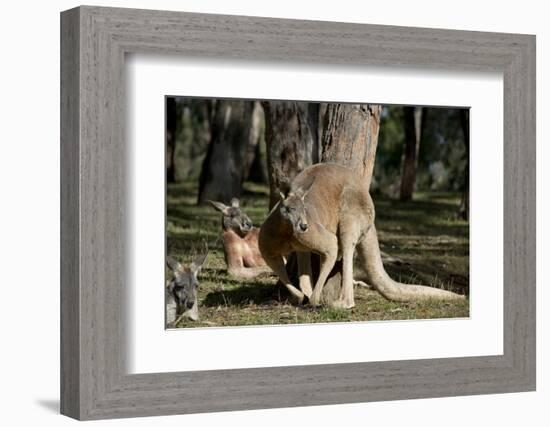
[[295, 212]]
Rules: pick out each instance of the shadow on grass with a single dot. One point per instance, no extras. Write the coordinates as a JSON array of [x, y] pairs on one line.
[[245, 294], [429, 275], [434, 217]]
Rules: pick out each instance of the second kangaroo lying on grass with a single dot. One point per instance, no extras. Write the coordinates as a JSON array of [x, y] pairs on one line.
[[240, 242], [329, 211]]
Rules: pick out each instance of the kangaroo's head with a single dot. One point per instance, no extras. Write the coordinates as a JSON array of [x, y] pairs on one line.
[[293, 209], [184, 285], [233, 217]]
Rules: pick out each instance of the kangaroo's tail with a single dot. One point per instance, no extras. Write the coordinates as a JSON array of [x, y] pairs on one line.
[[371, 260]]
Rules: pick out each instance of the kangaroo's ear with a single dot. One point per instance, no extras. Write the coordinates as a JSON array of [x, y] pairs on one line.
[[175, 266], [197, 263], [219, 206], [301, 192], [235, 202]]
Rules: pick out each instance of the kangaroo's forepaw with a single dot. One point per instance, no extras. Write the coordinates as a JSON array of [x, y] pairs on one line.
[[296, 299], [361, 284], [307, 292], [296, 296], [315, 300]]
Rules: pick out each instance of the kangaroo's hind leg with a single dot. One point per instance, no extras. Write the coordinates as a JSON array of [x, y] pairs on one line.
[[346, 299], [350, 234], [326, 245], [353, 224]]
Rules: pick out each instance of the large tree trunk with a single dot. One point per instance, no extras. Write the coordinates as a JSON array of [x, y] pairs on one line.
[[291, 142], [224, 167], [350, 137], [171, 129], [413, 133], [464, 210]]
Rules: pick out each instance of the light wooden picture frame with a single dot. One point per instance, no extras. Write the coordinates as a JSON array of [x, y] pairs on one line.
[[94, 42]]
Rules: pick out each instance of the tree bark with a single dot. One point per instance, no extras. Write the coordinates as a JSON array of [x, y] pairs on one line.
[[464, 210], [224, 166], [350, 137], [171, 129], [291, 142], [413, 134]]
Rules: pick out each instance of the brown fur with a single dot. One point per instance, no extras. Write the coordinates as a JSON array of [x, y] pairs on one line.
[[339, 215], [240, 243], [242, 256]]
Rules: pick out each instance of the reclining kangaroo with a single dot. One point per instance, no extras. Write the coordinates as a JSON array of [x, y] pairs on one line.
[[240, 242], [329, 211], [181, 291]]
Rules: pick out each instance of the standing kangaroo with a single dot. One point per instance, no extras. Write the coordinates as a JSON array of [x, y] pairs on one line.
[[240, 242], [329, 211]]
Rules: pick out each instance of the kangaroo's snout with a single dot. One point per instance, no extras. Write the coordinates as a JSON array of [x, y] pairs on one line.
[[189, 304], [303, 227]]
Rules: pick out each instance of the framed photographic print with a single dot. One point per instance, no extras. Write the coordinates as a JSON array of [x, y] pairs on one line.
[[323, 212]]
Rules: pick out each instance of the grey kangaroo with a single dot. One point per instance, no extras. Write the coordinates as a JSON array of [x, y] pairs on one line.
[[181, 291], [329, 211]]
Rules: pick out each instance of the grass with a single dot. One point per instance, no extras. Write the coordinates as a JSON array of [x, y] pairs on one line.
[[425, 234]]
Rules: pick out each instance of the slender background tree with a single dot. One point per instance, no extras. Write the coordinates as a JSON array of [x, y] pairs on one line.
[[233, 130], [171, 131], [464, 210], [413, 118]]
